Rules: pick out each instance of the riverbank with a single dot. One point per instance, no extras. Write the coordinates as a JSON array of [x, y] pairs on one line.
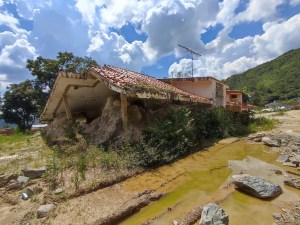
[[174, 192]]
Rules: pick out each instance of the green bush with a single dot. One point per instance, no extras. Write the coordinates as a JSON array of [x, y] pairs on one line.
[[220, 123], [171, 137]]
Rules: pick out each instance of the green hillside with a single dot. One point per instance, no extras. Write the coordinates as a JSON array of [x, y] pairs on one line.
[[278, 79]]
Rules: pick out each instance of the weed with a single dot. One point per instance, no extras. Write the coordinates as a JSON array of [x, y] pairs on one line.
[[261, 124], [279, 113], [53, 168]]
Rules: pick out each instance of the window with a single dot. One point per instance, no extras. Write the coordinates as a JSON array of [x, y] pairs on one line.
[[233, 96]]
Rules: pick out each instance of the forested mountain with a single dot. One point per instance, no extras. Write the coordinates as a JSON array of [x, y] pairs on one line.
[[278, 79]]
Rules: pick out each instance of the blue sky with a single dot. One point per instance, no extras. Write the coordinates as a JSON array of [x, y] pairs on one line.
[[231, 35]]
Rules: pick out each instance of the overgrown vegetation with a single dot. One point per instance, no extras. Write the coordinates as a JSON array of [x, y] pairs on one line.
[[278, 79], [73, 161]]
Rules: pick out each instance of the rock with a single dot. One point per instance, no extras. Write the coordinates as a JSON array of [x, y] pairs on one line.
[[278, 172], [13, 185], [44, 210], [295, 160], [277, 216], [256, 139], [212, 214], [37, 190], [290, 164], [5, 178], [293, 182], [256, 186], [117, 103], [294, 148], [34, 173], [29, 192], [271, 142], [282, 158], [58, 191], [22, 179]]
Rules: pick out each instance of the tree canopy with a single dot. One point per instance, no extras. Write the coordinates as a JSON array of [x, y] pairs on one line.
[[278, 79], [20, 104], [45, 70]]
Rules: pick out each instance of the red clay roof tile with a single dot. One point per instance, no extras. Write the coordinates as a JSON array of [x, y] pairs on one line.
[[133, 82]]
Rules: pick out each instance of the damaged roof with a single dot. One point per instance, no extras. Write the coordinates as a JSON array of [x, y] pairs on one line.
[[89, 92], [139, 85]]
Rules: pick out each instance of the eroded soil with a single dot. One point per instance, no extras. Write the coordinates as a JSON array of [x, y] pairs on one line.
[[187, 184]]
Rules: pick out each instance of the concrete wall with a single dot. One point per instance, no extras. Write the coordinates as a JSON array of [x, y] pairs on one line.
[[205, 88], [202, 88], [239, 98]]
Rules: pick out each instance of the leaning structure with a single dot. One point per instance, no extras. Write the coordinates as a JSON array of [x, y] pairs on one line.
[[111, 102]]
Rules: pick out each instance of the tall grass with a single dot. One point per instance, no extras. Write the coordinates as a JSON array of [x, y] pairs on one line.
[[261, 124]]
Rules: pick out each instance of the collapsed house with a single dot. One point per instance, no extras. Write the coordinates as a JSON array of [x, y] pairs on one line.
[[111, 102]]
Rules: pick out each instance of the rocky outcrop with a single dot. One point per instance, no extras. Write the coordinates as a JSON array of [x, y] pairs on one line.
[[212, 214], [34, 173], [256, 186], [293, 182], [271, 142], [289, 216], [44, 210], [289, 146]]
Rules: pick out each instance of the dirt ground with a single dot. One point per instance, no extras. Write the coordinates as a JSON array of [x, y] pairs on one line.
[[288, 123], [103, 203]]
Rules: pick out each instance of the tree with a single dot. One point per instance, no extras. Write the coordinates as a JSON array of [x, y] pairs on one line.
[[20, 105], [45, 70]]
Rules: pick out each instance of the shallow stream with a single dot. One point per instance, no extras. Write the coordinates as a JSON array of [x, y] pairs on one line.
[[197, 180]]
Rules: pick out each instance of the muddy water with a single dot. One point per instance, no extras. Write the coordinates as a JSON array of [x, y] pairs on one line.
[[196, 180]]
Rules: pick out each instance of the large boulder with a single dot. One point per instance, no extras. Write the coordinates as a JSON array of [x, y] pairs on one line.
[[271, 142], [44, 210], [293, 182], [34, 173], [256, 186], [212, 214]]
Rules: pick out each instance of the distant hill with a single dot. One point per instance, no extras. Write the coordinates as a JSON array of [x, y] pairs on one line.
[[278, 79]]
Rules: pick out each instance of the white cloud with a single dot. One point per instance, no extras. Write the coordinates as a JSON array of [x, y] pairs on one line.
[[227, 11], [91, 28], [239, 65], [259, 10], [3, 83], [278, 38], [168, 25], [235, 56], [13, 59], [9, 20], [26, 8], [294, 2]]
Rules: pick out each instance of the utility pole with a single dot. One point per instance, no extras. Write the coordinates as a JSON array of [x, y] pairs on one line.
[[192, 53]]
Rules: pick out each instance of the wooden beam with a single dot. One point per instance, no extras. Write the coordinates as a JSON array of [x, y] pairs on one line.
[[67, 107], [124, 112]]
